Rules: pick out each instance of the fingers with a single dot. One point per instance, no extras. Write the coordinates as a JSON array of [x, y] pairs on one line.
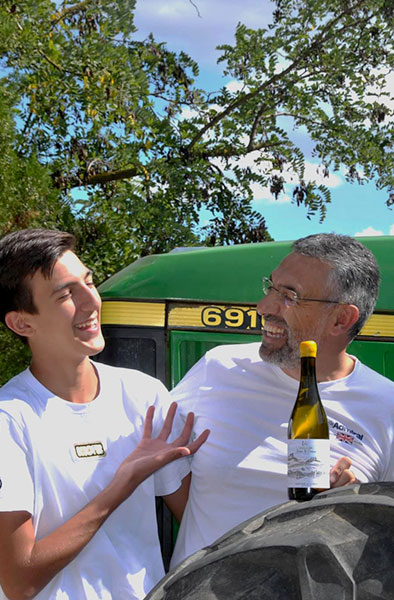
[[167, 427], [189, 449], [184, 437], [340, 474], [148, 423], [182, 445], [194, 446]]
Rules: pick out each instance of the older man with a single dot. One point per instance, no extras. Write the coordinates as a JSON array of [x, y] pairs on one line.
[[325, 290]]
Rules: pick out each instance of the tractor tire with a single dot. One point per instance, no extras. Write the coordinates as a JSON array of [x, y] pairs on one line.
[[337, 546]]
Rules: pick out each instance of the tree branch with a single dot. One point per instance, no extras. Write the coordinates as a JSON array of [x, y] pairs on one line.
[[313, 47], [41, 53], [254, 127], [51, 62], [196, 7], [70, 10], [229, 153], [294, 116], [101, 178], [140, 170]]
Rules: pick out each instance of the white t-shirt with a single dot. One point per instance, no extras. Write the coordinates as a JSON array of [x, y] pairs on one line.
[[246, 403], [55, 456]]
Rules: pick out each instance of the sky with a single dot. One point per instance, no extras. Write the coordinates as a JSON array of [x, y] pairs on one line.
[[198, 27]]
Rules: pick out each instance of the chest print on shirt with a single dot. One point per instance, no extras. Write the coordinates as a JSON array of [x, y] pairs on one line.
[[91, 450], [345, 434]]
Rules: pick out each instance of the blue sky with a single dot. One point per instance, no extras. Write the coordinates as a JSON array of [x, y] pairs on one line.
[[197, 27]]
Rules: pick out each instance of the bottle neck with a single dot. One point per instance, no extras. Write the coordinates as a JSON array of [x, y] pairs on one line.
[[308, 367]]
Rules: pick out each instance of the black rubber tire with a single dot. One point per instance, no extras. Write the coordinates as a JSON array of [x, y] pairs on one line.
[[338, 546]]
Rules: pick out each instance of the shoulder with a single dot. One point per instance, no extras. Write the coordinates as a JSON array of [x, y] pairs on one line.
[[123, 374], [135, 387], [364, 374], [16, 393], [233, 361], [369, 389], [222, 358], [20, 409], [225, 363], [234, 353]]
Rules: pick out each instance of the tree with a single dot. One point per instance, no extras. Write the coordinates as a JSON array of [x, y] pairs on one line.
[[27, 199], [105, 114], [26, 190]]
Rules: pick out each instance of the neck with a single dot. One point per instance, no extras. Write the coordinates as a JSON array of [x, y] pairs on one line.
[[328, 367], [76, 383]]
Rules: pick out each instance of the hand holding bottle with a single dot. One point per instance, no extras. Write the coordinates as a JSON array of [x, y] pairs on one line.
[[340, 473]]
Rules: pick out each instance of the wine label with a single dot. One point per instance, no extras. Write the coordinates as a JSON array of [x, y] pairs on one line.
[[308, 463]]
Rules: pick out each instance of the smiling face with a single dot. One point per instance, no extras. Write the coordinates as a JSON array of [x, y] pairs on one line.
[[67, 324], [286, 326]]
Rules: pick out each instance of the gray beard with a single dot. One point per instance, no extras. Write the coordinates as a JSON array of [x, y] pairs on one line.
[[286, 357]]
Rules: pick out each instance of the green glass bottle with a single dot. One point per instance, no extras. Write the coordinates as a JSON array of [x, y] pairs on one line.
[[308, 456]]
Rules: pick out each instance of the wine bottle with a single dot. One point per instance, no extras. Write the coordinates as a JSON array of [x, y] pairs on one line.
[[308, 455]]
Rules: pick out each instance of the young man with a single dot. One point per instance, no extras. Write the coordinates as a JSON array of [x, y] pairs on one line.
[[79, 464], [325, 290]]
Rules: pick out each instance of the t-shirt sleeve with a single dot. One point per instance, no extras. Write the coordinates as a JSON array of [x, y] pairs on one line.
[[169, 478], [16, 483]]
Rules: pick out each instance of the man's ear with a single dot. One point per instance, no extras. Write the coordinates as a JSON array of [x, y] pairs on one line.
[[18, 322], [346, 316]]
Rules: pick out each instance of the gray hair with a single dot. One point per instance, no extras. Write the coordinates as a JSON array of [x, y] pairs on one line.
[[354, 278]]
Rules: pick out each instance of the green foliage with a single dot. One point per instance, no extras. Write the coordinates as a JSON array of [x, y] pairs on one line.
[[27, 199], [27, 196], [322, 66], [14, 355], [105, 113]]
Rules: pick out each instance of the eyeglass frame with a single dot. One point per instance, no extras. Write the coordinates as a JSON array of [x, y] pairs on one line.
[[269, 286]]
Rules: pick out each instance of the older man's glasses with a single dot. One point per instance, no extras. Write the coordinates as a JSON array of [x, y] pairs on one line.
[[290, 297]]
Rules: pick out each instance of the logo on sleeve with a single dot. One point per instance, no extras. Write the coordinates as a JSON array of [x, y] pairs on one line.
[[94, 449]]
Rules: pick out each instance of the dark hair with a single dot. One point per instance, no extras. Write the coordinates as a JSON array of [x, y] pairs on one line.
[[354, 277], [22, 253]]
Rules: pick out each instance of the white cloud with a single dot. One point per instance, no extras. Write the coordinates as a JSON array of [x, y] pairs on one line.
[[264, 193], [198, 27], [384, 95], [235, 86], [369, 231], [314, 172], [391, 232], [188, 113]]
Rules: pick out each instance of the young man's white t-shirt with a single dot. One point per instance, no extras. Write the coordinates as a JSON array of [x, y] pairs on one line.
[[56, 456], [241, 469]]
